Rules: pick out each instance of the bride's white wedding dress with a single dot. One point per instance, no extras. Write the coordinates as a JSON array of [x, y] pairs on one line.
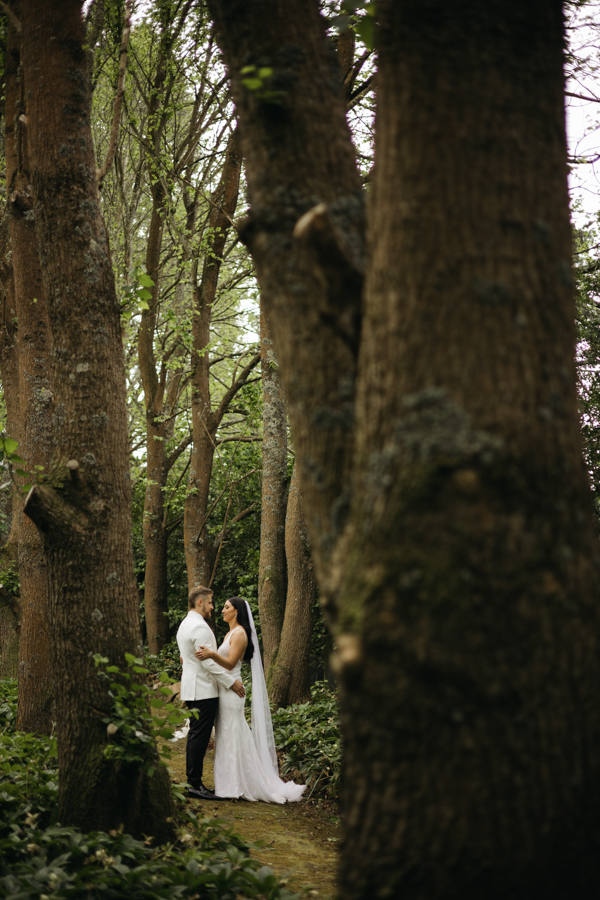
[[240, 771]]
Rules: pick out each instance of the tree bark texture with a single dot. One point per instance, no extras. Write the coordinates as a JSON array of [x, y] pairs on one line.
[[468, 438], [83, 509], [463, 587], [35, 404], [310, 285], [9, 635], [206, 420], [289, 675], [155, 533], [9, 373], [271, 567], [9, 364]]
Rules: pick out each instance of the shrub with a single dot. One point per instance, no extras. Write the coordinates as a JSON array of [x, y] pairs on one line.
[[133, 729], [8, 705], [40, 859], [165, 661], [308, 737]]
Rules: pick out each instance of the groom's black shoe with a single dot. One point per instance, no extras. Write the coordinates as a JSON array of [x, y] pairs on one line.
[[202, 793]]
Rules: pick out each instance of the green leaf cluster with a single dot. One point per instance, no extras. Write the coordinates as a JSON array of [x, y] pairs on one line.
[[10, 460], [308, 736], [136, 293], [587, 277], [167, 660], [360, 16], [258, 80], [9, 580], [132, 728]]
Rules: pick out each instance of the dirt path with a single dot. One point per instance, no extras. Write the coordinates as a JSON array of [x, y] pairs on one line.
[[298, 839]]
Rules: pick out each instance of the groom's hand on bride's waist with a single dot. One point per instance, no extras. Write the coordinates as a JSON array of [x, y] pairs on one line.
[[239, 688]]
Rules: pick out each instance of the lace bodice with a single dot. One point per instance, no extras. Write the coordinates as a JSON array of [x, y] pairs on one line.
[[224, 651]]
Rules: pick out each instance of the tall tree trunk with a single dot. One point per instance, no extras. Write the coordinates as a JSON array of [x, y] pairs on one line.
[[83, 509], [487, 592], [310, 285], [155, 534], [289, 676], [205, 420], [9, 372], [464, 582], [271, 567], [35, 397], [158, 427]]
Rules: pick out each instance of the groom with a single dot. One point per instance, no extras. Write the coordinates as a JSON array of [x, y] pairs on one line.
[[199, 688]]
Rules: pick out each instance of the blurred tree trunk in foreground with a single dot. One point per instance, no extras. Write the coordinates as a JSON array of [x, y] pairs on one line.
[[435, 423]]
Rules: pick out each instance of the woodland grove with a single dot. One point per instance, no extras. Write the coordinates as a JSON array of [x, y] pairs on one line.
[[288, 308]]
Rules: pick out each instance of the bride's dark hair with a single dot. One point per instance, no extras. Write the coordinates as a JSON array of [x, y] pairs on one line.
[[242, 619]]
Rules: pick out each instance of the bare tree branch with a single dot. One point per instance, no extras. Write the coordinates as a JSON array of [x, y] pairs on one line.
[[181, 447], [114, 132], [239, 439], [221, 537], [591, 99], [14, 21], [233, 389]]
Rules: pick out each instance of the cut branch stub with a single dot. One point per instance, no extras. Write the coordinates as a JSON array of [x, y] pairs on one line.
[[21, 201], [73, 467], [341, 261], [48, 510], [318, 229]]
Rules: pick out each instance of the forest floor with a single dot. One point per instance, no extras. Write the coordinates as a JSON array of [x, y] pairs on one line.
[[296, 840]]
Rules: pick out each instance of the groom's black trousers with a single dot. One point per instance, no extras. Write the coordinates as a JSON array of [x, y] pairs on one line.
[[198, 737]]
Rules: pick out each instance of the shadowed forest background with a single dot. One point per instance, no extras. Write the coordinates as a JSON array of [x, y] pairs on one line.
[[294, 306]]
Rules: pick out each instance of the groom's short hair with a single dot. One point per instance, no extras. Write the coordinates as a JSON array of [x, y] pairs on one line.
[[196, 593]]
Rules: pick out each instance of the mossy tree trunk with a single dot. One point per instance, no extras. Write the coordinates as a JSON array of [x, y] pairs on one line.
[[83, 509], [271, 568], [309, 320], [35, 403], [448, 509], [289, 674], [9, 373]]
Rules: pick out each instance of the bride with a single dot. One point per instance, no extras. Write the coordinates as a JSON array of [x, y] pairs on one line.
[[245, 761]]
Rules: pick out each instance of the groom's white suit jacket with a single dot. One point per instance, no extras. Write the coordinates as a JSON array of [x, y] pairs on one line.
[[200, 676]]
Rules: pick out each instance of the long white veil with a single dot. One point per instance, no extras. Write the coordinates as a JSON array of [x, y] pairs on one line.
[[262, 724]]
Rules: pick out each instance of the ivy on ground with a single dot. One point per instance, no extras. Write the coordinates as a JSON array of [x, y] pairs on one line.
[[40, 859]]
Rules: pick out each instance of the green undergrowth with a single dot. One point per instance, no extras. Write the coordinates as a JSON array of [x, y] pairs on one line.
[[307, 738], [166, 661], [41, 859], [133, 729]]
